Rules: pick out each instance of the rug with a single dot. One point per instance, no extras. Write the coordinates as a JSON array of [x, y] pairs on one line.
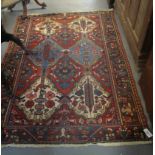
[[75, 87]]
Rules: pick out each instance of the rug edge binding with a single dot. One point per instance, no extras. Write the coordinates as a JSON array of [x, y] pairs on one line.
[[77, 145]]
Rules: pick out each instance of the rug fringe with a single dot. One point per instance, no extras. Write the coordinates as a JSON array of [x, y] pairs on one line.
[[77, 145], [79, 11]]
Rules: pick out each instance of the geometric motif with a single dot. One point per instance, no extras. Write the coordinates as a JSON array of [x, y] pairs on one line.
[[90, 100], [75, 87], [66, 37], [48, 27], [82, 25], [86, 52], [65, 73], [38, 104]]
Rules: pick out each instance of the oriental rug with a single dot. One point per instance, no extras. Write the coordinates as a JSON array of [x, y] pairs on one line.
[[75, 87]]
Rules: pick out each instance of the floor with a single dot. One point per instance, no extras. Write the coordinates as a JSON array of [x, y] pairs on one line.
[[54, 6]]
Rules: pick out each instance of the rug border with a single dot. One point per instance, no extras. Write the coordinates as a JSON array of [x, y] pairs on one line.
[[145, 123], [10, 42]]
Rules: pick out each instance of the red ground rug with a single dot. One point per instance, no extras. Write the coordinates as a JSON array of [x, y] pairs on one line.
[[75, 87]]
